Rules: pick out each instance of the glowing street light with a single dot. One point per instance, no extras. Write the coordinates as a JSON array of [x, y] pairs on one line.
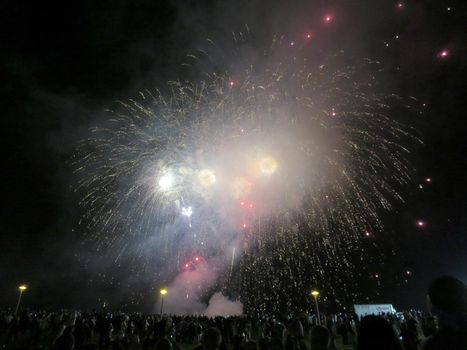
[[21, 289], [315, 295], [163, 292]]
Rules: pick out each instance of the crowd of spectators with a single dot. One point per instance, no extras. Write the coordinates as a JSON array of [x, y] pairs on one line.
[[444, 327]]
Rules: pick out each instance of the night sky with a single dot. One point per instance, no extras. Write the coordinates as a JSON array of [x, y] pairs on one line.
[[64, 63]]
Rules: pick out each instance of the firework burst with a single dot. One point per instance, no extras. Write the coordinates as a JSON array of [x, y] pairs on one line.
[[293, 157]]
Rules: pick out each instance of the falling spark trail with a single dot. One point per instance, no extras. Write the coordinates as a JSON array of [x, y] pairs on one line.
[[232, 263]]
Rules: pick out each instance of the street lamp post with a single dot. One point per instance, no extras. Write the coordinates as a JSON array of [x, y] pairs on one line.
[[163, 292], [21, 288], [315, 294]]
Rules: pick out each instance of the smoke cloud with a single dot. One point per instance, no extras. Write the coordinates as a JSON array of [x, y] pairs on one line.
[[219, 305], [185, 293]]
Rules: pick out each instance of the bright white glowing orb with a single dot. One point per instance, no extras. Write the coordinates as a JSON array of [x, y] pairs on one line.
[[166, 182], [268, 165], [207, 177], [187, 211]]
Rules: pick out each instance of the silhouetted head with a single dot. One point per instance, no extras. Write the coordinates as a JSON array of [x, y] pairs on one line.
[[447, 299], [377, 333], [319, 338], [448, 294], [211, 339], [251, 345], [164, 344]]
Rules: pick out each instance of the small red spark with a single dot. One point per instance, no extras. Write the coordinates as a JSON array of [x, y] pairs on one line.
[[196, 259], [368, 234], [428, 179], [420, 223], [400, 5], [292, 43], [327, 18], [244, 225], [308, 35], [251, 205], [443, 54], [242, 203], [187, 265], [231, 83]]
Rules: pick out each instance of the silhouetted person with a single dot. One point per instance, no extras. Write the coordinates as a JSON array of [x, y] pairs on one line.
[[429, 326], [409, 335], [251, 345], [211, 339], [164, 344], [263, 344], [350, 334], [191, 332], [376, 333], [343, 331], [66, 341], [447, 300], [319, 338], [277, 334], [295, 336], [237, 342]]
